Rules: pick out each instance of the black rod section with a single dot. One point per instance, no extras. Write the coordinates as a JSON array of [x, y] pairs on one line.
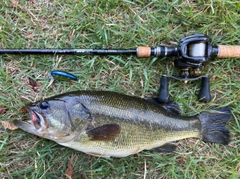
[[70, 51]]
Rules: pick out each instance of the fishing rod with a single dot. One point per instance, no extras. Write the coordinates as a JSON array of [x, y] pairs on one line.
[[193, 52], [197, 45]]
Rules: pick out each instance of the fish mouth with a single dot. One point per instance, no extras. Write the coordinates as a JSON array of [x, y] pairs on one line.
[[26, 126], [29, 125]]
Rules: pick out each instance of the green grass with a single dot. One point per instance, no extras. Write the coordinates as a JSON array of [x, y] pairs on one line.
[[115, 24]]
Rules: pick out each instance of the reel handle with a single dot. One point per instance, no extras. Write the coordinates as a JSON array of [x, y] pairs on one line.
[[204, 94], [227, 51]]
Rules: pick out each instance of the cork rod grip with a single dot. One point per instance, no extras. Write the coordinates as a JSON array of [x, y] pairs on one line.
[[143, 51], [227, 51]]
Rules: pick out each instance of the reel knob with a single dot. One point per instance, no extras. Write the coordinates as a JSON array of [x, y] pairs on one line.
[[163, 96], [204, 94]]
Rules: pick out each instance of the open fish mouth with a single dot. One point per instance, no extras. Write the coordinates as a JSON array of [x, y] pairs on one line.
[[31, 125]]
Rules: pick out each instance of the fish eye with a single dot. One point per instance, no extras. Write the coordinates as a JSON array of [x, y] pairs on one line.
[[44, 105]]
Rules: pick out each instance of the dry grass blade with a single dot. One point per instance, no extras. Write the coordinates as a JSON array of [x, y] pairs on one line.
[[33, 84], [69, 172], [8, 125], [3, 109]]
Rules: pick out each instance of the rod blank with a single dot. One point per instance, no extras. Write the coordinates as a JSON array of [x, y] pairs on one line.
[[69, 51], [142, 51]]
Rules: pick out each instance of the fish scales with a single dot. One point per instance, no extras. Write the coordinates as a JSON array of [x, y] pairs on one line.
[[130, 108]]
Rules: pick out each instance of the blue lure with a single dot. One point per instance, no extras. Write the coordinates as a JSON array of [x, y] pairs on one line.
[[62, 75]]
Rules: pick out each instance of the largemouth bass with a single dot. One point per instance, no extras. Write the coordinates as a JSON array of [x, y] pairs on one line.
[[106, 124]]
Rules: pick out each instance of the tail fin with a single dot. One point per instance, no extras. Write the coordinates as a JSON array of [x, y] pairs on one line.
[[213, 126]]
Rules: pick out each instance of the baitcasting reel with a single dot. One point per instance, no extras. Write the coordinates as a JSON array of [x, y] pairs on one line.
[[193, 53]]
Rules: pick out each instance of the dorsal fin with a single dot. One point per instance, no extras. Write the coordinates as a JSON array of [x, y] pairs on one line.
[[171, 108]]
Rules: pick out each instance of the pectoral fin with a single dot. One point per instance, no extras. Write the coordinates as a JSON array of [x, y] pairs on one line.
[[104, 133], [168, 148]]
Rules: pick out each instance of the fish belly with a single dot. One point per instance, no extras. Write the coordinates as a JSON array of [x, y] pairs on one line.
[[132, 139]]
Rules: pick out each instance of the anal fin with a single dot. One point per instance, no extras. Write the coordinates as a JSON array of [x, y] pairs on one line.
[[104, 133], [167, 148]]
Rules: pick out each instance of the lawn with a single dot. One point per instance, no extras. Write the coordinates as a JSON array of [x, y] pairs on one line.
[[115, 24]]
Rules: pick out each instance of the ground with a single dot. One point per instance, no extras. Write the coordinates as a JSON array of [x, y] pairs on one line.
[[115, 24]]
